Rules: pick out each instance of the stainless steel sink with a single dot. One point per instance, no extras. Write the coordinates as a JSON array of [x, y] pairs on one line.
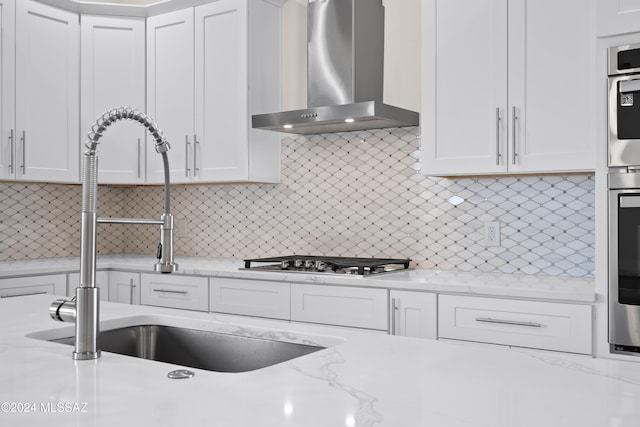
[[194, 348]]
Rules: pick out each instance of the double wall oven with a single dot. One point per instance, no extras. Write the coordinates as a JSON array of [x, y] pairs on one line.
[[624, 198]]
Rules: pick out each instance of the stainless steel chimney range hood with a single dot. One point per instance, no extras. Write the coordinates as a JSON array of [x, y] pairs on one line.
[[345, 58]]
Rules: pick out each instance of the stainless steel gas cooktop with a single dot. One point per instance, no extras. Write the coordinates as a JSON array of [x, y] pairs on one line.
[[327, 265]]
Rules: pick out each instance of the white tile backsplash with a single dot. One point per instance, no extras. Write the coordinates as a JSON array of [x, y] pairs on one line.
[[347, 194]]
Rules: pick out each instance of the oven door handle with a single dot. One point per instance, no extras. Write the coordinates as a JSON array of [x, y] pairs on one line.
[[630, 85], [629, 202]]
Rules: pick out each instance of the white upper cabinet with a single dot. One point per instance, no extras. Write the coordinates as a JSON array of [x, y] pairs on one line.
[[7, 87], [208, 68], [47, 146], [493, 101], [618, 17], [113, 75], [170, 92], [464, 85]]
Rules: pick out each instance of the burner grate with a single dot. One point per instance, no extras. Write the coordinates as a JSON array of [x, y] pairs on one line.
[[362, 265]]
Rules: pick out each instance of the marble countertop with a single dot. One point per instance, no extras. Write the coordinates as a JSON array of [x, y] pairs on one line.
[[444, 281], [362, 379]]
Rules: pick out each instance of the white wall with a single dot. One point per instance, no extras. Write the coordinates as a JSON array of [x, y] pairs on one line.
[[402, 54]]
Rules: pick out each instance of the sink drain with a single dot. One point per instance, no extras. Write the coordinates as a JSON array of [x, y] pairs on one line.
[[180, 374]]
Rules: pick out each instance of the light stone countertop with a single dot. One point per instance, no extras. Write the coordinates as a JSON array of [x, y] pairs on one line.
[[443, 281], [362, 379]]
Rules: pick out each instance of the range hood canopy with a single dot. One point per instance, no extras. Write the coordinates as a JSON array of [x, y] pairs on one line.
[[345, 58]]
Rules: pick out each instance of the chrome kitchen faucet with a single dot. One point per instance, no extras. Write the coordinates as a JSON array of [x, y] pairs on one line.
[[84, 307]]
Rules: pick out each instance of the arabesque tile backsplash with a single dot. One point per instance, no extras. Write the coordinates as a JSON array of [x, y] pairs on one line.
[[348, 194]]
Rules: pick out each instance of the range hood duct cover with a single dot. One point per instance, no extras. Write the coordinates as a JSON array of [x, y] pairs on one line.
[[345, 59]]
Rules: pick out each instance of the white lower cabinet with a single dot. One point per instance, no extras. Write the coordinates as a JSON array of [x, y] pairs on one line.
[[340, 305], [175, 291], [533, 324], [124, 287], [413, 314], [102, 282], [53, 284], [250, 297]]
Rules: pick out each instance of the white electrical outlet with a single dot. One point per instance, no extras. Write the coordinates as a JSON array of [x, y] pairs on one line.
[[491, 233]]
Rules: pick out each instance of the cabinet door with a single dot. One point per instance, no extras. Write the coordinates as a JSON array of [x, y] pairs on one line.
[[618, 17], [54, 284], [414, 314], [102, 282], [340, 306], [170, 92], [113, 75], [555, 128], [124, 287], [7, 86], [47, 93], [464, 86], [221, 153], [265, 76]]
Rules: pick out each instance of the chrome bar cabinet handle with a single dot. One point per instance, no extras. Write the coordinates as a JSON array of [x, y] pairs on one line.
[[24, 295], [196, 143], [170, 291], [139, 158], [23, 140], [186, 156], [508, 322], [394, 315], [498, 154], [12, 145], [514, 119], [131, 288]]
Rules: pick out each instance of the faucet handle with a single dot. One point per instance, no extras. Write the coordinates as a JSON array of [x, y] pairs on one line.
[[159, 251], [63, 310]]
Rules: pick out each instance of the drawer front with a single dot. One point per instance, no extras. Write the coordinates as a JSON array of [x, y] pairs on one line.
[[250, 297], [543, 325], [341, 306], [173, 291], [27, 290], [54, 284]]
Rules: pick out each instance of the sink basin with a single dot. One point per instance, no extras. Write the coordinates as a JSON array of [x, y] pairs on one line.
[[213, 351]]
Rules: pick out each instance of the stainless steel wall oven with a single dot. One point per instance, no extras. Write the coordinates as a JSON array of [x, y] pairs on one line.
[[624, 106], [624, 198], [624, 270]]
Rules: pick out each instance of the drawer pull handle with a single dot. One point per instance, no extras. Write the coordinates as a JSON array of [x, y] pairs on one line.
[[23, 295], [508, 322], [169, 291]]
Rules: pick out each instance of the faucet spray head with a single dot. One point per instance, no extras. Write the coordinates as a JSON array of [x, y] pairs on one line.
[[165, 262]]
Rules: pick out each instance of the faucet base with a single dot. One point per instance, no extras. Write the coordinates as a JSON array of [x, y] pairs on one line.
[[162, 267], [91, 355]]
